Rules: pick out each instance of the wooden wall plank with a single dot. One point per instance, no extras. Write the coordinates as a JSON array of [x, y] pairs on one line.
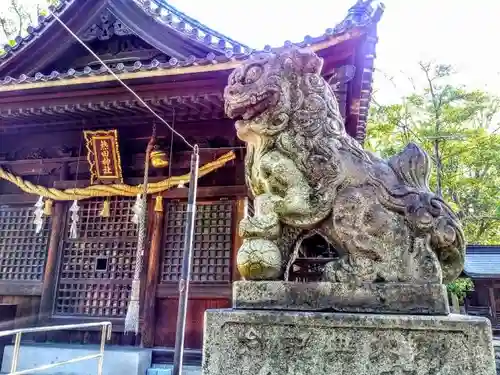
[[196, 290], [51, 269], [152, 279], [20, 288], [492, 304], [26, 309], [166, 311]]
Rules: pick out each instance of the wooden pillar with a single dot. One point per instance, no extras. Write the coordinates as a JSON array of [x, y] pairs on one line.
[[152, 278], [50, 273], [240, 213], [492, 303]]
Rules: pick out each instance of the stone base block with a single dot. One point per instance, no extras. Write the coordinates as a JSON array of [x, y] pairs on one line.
[[117, 360], [391, 298], [252, 342]]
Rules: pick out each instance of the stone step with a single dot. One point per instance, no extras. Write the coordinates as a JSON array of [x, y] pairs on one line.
[[192, 357], [117, 360], [167, 370]]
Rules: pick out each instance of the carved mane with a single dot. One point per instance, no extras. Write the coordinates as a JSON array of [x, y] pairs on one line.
[[305, 123]]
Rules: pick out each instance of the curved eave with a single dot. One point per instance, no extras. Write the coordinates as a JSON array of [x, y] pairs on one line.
[[482, 262], [209, 64], [475, 275], [179, 38], [48, 40]]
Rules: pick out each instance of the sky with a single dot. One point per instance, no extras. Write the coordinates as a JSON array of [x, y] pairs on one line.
[[457, 32]]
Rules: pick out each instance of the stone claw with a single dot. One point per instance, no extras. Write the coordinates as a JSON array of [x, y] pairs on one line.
[[267, 227], [292, 205]]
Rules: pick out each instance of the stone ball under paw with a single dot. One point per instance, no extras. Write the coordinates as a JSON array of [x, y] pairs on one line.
[[259, 259]]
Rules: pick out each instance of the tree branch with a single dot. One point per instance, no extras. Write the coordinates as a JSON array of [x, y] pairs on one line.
[[17, 8]]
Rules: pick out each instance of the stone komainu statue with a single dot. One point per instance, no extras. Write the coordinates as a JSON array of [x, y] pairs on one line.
[[307, 174]]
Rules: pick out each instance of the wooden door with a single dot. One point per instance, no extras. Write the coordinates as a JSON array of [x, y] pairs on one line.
[[96, 269], [211, 268]]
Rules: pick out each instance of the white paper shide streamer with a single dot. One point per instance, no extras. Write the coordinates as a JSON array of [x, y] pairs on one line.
[[38, 221], [73, 230], [137, 209]]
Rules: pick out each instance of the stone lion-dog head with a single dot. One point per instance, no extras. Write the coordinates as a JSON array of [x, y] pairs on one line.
[[276, 92]]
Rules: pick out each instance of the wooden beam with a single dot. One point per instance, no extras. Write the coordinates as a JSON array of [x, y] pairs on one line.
[[155, 90], [51, 271], [36, 167], [94, 80], [13, 199], [39, 124], [208, 192], [174, 193], [117, 323], [154, 261], [20, 288], [239, 214], [204, 192], [196, 290]]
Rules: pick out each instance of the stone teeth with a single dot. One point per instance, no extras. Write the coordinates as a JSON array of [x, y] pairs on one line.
[[253, 99]]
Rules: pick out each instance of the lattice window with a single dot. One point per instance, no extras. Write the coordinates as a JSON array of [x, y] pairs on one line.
[[22, 251], [212, 242], [97, 268]]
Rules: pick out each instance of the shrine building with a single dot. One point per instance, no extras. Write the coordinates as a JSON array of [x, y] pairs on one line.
[[67, 128], [482, 266]]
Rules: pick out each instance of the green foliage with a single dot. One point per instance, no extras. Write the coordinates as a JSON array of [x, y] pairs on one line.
[[460, 287], [459, 130], [17, 15]]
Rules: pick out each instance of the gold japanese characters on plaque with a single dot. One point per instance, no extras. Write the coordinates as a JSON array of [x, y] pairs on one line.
[[103, 156]]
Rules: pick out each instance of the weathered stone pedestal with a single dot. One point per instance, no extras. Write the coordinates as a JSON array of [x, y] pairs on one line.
[[272, 342], [382, 298]]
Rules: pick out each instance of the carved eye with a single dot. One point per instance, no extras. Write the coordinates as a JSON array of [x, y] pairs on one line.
[[233, 79], [253, 74]]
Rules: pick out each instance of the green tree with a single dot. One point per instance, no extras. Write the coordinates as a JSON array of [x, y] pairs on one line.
[[460, 287], [17, 15], [459, 130]]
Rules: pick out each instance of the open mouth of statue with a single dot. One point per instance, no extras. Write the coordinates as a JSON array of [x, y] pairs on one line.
[[249, 107]]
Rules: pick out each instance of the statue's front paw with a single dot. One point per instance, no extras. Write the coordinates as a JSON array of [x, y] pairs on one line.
[[259, 259], [260, 227]]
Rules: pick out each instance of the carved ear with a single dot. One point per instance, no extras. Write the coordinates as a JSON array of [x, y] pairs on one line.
[[307, 61], [288, 65], [300, 62]]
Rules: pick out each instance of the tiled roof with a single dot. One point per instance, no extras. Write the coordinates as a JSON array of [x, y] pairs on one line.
[[166, 13], [138, 66], [482, 261], [159, 10], [363, 14]]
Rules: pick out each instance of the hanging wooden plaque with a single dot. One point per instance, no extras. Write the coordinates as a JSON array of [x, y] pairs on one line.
[[103, 155]]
